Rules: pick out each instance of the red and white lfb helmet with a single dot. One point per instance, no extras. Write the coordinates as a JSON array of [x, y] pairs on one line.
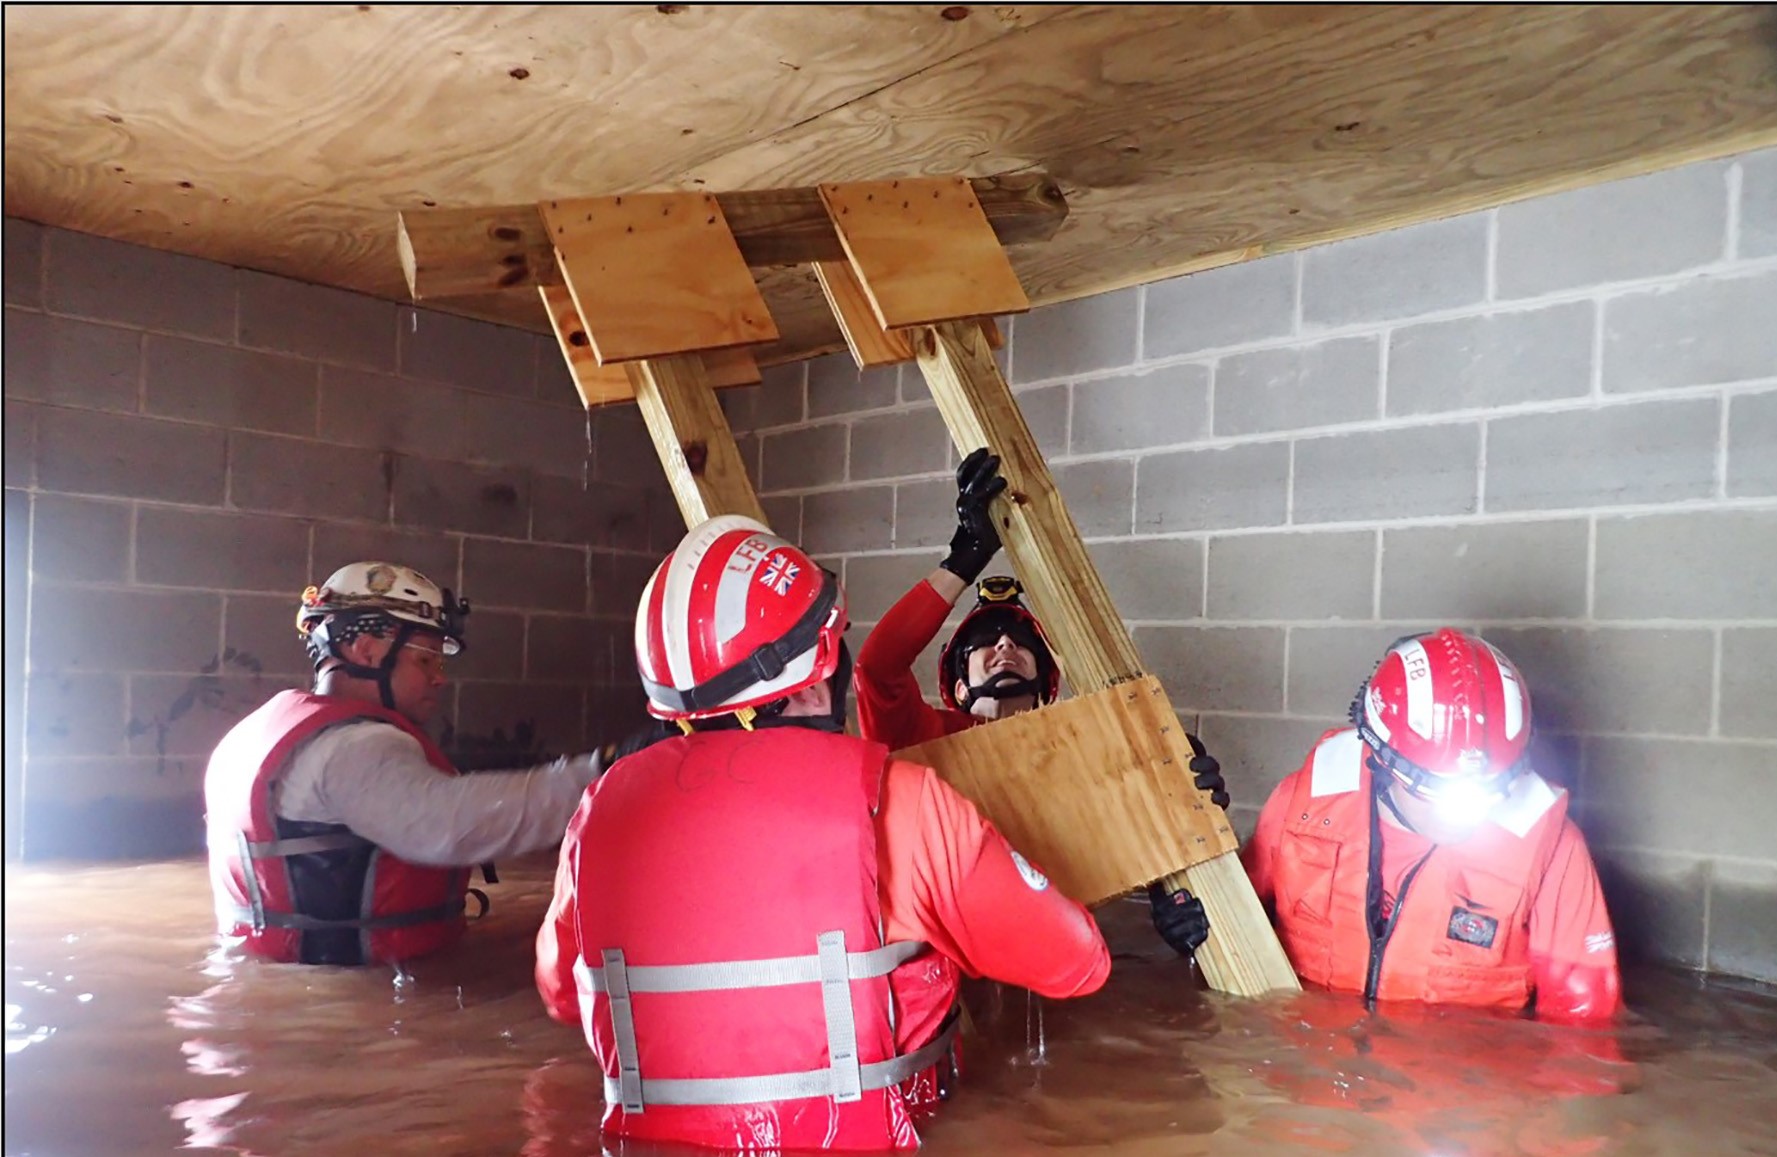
[[1443, 707], [735, 617]]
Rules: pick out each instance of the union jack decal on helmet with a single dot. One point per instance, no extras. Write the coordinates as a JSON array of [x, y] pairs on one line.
[[735, 617]]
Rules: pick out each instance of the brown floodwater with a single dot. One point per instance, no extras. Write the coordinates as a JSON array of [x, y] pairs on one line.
[[129, 1031]]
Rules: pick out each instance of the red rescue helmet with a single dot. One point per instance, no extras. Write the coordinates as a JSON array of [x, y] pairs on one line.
[[999, 611], [734, 618], [1445, 707]]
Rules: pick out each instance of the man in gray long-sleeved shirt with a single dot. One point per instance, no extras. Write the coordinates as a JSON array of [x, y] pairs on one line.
[[338, 832]]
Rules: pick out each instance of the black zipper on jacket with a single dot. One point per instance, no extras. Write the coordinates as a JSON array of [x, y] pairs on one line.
[[1381, 930]]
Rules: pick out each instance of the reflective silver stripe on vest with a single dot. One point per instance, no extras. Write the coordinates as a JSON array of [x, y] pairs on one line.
[[786, 1086], [831, 966], [842, 1028], [255, 900], [768, 973], [623, 1027]]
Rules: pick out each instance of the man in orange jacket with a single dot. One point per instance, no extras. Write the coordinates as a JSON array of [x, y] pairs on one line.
[[761, 924], [1416, 855], [997, 663]]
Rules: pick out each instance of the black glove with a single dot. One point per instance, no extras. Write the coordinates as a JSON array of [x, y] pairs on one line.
[[1179, 918], [976, 540], [647, 735], [1206, 773]]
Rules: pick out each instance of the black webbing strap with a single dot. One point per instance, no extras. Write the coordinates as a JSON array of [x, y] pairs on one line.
[[764, 664], [430, 915]]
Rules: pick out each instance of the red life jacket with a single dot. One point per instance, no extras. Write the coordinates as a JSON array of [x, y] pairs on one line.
[[727, 890], [316, 893], [1462, 933]]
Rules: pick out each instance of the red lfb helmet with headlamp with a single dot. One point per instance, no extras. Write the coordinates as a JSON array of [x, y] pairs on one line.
[[1445, 706], [734, 618]]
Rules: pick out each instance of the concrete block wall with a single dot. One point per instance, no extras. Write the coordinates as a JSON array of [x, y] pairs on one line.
[[1554, 422], [188, 445]]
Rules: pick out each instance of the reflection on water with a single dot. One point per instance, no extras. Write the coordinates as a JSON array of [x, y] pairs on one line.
[[128, 1031]]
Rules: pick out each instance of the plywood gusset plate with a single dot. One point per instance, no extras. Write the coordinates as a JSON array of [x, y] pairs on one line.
[[654, 274], [923, 251], [602, 385]]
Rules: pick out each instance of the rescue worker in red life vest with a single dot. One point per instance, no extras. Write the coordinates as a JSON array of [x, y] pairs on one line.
[[338, 832], [1416, 855], [997, 663], [761, 925]]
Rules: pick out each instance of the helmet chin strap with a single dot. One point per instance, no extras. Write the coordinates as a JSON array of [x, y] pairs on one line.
[[1000, 686], [381, 674]]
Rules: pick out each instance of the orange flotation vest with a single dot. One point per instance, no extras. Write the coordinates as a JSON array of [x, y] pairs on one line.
[[308, 892], [733, 980], [1458, 932]]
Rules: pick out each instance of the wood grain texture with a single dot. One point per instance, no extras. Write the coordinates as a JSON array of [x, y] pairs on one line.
[[692, 436], [923, 251], [605, 385], [655, 274], [286, 139], [870, 344], [452, 252], [1098, 658], [1094, 788], [1065, 591], [1185, 137], [1190, 138]]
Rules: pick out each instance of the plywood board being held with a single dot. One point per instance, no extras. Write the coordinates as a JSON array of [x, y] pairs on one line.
[[655, 274], [1097, 789], [923, 250]]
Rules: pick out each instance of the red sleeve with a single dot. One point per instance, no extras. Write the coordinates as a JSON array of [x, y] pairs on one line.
[[891, 709], [1259, 856], [949, 878], [1573, 952], [558, 940]]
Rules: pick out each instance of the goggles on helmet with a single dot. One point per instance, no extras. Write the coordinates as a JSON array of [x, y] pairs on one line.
[[987, 629]]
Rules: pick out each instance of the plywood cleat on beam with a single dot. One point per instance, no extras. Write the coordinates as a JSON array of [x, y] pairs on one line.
[[654, 274], [603, 385], [870, 344], [923, 251], [468, 252]]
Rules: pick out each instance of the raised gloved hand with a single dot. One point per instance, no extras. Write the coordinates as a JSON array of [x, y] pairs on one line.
[[1179, 918], [976, 540], [1206, 773]]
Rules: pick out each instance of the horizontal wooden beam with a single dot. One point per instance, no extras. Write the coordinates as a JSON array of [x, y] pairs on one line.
[[461, 252]]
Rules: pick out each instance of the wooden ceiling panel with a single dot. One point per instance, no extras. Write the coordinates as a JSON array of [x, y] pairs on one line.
[[1186, 139], [286, 138]]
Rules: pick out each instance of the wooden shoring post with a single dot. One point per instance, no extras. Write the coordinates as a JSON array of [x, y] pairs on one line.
[[692, 437], [1092, 645], [654, 286], [929, 266]]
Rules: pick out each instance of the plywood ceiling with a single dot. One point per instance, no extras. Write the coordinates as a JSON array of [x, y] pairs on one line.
[[286, 138]]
